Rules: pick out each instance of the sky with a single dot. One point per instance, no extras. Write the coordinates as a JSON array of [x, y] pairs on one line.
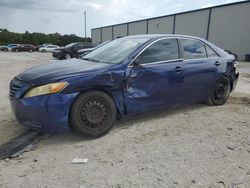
[[67, 16]]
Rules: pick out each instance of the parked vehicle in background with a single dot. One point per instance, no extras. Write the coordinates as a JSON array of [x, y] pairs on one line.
[[42, 45], [85, 51], [48, 48], [70, 50], [24, 48], [9, 47], [126, 76]]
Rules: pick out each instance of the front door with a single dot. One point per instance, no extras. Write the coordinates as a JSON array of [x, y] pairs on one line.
[[155, 78]]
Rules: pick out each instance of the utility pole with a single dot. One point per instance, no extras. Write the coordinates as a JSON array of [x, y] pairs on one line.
[[85, 24]]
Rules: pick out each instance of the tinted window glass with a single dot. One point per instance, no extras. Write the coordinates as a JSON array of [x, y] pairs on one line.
[[193, 49], [77, 47], [210, 52], [163, 50]]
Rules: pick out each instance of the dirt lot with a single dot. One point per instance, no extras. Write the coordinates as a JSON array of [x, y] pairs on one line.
[[193, 146]]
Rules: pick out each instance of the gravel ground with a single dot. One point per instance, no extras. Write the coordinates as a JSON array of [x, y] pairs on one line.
[[192, 146], [11, 64]]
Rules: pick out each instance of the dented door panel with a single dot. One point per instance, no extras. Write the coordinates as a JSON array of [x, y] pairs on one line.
[[152, 86]]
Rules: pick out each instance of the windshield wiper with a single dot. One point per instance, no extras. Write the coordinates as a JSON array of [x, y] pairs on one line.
[[90, 59]]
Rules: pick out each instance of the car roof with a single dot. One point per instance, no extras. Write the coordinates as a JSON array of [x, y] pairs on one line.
[[153, 36], [12, 44], [159, 36]]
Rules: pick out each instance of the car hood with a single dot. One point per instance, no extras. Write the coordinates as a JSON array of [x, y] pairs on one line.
[[48, 73]]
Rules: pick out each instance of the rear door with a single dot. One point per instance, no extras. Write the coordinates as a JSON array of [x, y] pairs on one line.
[[201, 67], [155, 79]]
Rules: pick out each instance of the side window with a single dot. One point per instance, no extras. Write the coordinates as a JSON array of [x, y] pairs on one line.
[[193, 49], [84, 45], [210, 52], [163, 50], [78, 46]]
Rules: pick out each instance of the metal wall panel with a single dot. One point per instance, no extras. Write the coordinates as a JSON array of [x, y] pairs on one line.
[[162, 25], [96, 35], [136, 28], [230, 28], [119, 31], [193, 23], [106, 34]]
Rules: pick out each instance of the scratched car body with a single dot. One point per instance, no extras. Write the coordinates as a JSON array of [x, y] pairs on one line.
[[126, 76]]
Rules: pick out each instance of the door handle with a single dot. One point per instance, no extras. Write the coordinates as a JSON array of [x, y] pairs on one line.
[[217, 63], [178, 69], [133, 75]]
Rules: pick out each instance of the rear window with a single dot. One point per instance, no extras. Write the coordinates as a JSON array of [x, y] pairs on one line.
[[211, 52], [193, 49]]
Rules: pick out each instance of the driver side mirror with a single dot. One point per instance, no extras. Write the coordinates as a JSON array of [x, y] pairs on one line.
[[137, 61]]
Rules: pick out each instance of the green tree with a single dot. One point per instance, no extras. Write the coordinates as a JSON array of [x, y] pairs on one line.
[[7, 37]]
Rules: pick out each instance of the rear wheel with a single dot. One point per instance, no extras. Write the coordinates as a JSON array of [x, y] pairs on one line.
[[43, 50], [93, 114], [220, 93]]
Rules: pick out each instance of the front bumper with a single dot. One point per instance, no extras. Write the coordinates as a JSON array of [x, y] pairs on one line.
[[58, 55], [47, 113]]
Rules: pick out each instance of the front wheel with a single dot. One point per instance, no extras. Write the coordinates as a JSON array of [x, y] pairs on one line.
[[92, 114], [220, 93], [67, 56], [43, 50]]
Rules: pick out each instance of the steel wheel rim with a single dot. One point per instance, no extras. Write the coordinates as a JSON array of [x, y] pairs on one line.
[[221, 90], [67, 56], [93, 114]]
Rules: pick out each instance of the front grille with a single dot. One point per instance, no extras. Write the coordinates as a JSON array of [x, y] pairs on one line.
[[17, 88]]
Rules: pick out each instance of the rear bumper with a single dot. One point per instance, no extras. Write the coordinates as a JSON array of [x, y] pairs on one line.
[[234, 80], [48, 113]]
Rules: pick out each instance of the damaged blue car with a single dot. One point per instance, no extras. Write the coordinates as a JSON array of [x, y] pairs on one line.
[[126, 76]]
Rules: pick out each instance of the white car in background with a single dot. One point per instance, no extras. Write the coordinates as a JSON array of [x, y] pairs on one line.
[[48, 48]]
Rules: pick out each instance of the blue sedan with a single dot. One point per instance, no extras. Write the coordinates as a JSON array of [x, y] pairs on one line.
[[126, 76]]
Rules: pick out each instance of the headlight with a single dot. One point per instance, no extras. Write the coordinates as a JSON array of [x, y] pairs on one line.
[[46, 89]]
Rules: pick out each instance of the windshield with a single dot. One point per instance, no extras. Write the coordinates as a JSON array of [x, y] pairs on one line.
[[115, 51]]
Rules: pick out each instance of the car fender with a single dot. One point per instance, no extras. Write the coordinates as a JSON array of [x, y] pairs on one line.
[[110, 83]]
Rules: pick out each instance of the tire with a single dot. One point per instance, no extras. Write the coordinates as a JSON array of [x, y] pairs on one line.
[[30, 50], [220, 92], [67, 56], [5, 49], [16, 50], [92, 114], [43, 50]]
